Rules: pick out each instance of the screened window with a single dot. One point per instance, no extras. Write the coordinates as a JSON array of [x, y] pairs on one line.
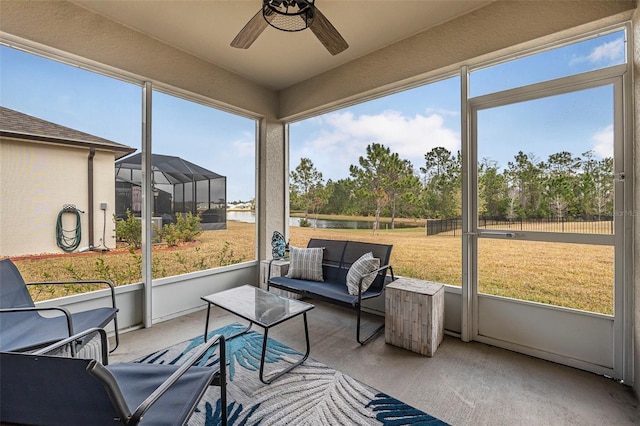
[[595, 53]]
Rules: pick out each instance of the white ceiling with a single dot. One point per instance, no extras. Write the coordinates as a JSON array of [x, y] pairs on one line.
[[278, 59]]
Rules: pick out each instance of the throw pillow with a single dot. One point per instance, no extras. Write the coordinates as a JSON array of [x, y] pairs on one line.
[[365, 264], [306, 263]]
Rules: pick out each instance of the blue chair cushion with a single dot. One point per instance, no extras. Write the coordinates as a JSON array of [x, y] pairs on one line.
[[327, 289], [24, 331]]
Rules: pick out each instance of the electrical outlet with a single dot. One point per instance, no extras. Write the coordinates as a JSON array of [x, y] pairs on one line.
[[103, 206]]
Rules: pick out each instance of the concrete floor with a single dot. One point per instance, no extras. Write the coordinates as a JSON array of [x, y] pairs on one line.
[[462, 384]]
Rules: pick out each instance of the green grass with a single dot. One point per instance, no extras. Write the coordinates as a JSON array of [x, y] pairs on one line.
[[569, 275]]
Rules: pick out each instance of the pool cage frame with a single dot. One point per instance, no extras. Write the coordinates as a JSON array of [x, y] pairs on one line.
[[179, 187]]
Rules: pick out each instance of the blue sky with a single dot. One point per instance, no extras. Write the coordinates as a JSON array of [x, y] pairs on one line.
[[411, 122]]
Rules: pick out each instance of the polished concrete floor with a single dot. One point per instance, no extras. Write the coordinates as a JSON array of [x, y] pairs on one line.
[[462, 384]]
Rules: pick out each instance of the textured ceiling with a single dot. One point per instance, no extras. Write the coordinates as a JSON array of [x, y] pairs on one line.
[[277, 59]]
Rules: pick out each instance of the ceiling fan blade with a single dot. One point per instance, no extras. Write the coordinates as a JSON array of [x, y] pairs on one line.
[[327, 33], [251, 31]]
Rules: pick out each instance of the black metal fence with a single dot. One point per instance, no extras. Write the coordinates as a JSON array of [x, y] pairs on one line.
[[580, 225], [439, 226]]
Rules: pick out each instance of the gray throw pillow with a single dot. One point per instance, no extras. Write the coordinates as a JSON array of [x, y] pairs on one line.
[[306, 263], [365, 264]]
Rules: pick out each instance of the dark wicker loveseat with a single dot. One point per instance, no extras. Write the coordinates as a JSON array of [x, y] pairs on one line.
[[337, 258]]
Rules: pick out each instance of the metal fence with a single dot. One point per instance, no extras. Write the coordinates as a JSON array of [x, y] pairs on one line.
[[580, 225], [439, 226]]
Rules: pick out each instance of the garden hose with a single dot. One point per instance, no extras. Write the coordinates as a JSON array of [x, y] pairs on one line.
[[68, 240]]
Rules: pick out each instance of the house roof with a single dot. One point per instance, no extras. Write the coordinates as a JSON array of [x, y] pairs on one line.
[[18, 125]]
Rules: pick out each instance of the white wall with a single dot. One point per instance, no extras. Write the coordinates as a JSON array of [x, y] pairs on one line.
[[104, 191], [36, 181]]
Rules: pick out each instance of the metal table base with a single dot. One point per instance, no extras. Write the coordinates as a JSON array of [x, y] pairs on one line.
[[265, 338]]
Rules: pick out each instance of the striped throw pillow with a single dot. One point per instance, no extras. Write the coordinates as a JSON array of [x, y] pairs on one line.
[[365, 264], [306, 263]]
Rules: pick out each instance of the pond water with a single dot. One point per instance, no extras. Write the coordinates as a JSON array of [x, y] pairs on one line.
[[250, 217]]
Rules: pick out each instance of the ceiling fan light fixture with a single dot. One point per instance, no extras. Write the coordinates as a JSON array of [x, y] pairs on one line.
[[288, 15]]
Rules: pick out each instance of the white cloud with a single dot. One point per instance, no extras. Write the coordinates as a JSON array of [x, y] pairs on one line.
[[608, 53], [603, 142], [442, 111], [245, 145], [346, 136]]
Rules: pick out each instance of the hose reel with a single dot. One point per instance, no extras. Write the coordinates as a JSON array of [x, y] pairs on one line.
[[69, 239]]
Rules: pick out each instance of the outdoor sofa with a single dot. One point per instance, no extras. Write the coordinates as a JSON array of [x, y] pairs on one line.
[[340, 272]]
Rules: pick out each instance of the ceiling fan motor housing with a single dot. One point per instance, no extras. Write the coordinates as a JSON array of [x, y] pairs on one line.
[[291, 15], [288, 15]]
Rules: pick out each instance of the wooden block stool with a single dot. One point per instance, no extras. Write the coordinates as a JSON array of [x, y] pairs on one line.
[[414, 315]]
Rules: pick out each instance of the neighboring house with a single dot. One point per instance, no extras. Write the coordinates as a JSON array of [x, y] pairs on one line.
[[43, 168]]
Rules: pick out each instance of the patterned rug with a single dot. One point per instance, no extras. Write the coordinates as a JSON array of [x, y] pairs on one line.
[[311, 394]]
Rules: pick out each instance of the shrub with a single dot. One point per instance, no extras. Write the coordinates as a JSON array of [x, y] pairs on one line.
[[129, 230], [170, 234], [304, 223], [227, 256], [189, 227], [186, 228]]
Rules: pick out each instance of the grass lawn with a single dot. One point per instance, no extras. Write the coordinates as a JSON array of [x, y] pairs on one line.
[[569, 275]]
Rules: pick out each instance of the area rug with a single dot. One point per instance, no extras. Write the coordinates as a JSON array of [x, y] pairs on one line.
[[311, 394]]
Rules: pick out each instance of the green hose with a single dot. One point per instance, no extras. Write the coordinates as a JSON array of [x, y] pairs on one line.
[[67, 242]]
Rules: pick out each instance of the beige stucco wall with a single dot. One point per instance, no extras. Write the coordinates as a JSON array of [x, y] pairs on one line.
[[272, 184], [36, 181], [636, 210]]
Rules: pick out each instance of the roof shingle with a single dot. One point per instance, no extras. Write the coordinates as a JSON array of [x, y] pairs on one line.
[[23, 126]]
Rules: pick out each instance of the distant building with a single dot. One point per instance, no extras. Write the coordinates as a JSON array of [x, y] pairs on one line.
[[45, 167], [240, 206]]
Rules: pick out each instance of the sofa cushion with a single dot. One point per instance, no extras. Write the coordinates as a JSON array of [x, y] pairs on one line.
[[364, 265], [306, 263], [330, 291]]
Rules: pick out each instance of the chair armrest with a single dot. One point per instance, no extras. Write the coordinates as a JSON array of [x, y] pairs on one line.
[[393, 278], [282, 270], [65, 311], [103, 343], [382, 268], [151, 399], [109, 283]]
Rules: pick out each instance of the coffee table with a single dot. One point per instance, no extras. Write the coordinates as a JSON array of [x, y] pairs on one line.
[[264, 309]]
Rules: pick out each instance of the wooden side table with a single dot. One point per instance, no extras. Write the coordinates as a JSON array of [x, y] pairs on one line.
[[414, 315], [279, 268]]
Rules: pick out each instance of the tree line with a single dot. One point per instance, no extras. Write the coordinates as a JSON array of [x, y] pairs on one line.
[[383, 184]]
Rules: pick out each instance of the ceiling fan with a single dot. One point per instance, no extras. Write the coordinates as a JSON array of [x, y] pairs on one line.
[[291, 15]]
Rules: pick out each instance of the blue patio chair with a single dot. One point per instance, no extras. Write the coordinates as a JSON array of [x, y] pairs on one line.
[[42, 389], [23, 328]]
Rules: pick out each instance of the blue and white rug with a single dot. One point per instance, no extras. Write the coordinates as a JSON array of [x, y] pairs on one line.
[[311, 394]]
